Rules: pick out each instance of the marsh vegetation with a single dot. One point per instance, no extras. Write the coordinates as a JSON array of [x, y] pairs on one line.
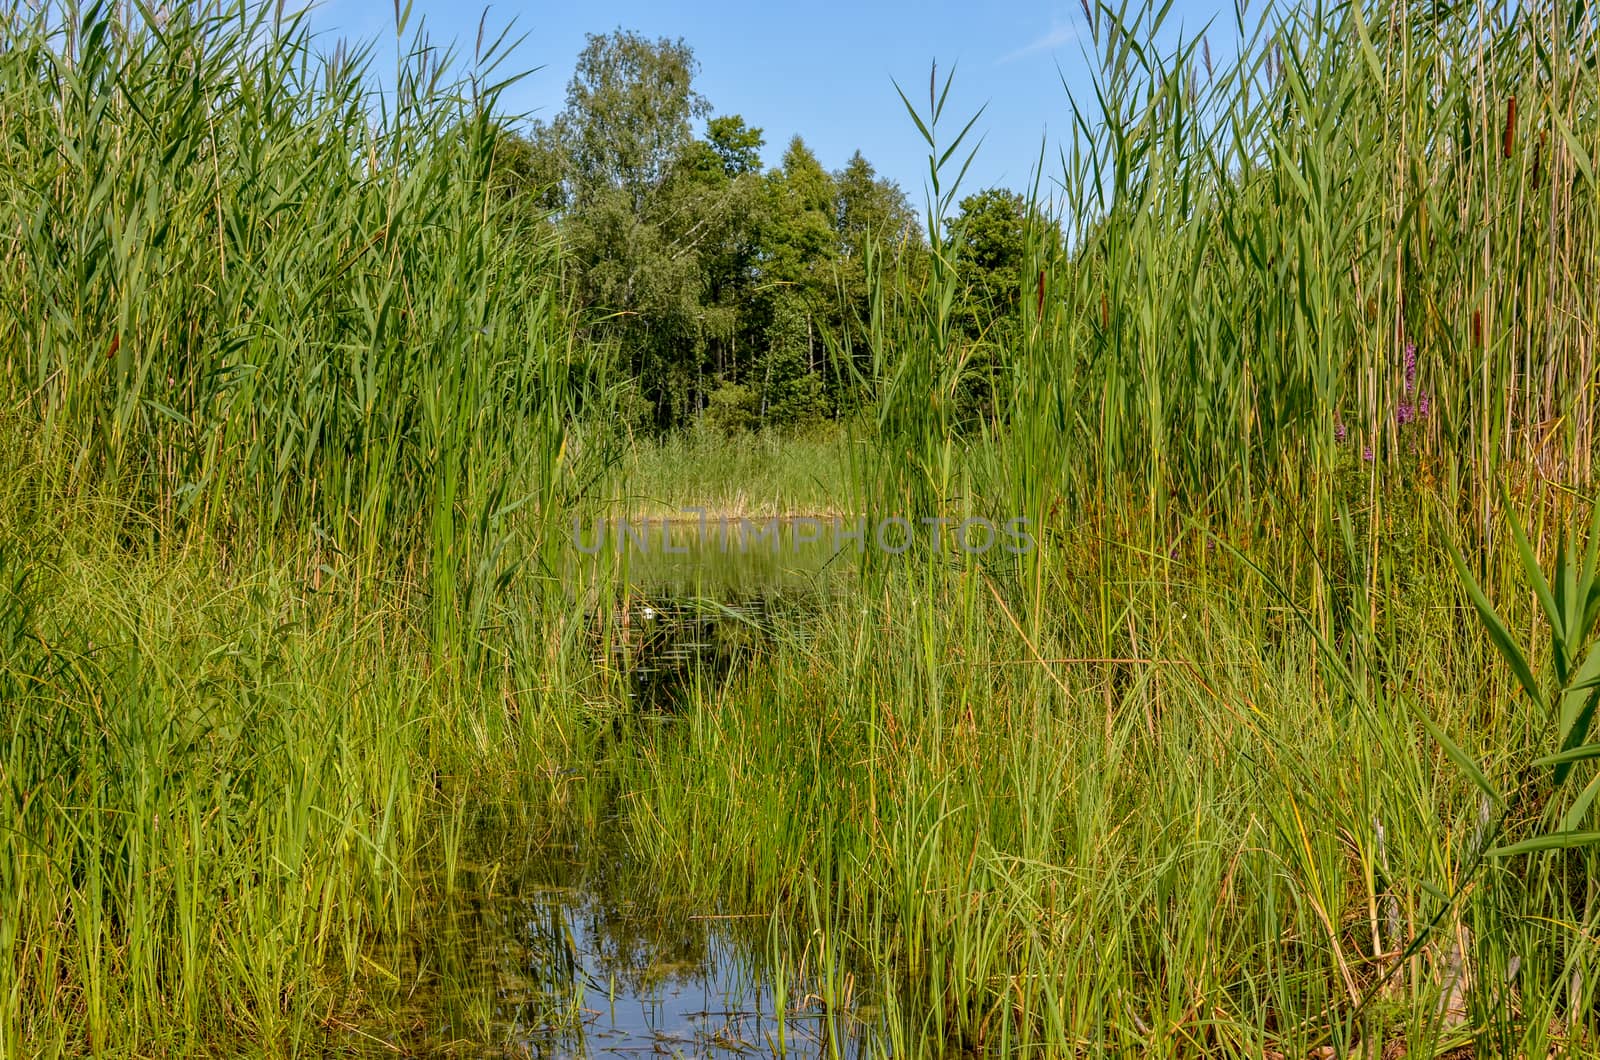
[[315, 736]]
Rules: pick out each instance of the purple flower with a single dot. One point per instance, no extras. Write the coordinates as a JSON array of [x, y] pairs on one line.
[[1422, 407], [1366, 454], [1404, 414], [1411, 366], [1338, 431]]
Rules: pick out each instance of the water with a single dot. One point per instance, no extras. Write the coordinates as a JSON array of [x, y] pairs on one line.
[[565, 959], [576, 952], [732, 556], [687, 604]]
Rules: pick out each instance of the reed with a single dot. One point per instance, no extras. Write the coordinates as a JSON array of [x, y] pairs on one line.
[[1258, 752], [289, 410]]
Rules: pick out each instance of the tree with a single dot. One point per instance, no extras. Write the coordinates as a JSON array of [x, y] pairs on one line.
[[529, 171], [630, 111], [799, 236], [735, 144], [870, 210], [993, 232], [707, 276], [798, 249], [790, 388], [993, 228]]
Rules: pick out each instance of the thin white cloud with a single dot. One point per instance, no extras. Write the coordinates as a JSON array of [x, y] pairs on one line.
[[1058, 34]]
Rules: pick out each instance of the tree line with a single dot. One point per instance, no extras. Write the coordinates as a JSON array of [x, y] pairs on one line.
[[728, 292]]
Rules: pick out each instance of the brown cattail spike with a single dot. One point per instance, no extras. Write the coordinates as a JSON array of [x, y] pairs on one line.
[[1511, 125], [1105, 313], [1477, 328]]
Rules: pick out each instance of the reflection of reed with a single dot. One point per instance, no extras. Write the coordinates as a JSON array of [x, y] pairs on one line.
[[577, 957], [487, 968], [660, 645]]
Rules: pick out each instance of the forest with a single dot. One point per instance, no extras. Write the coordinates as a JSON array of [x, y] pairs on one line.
[[730, 292]]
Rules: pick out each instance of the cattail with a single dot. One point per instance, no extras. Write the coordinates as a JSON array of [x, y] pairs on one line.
[[1477, 328], [1039, 297], [1105, 313], [1511, 125], [116, 344]]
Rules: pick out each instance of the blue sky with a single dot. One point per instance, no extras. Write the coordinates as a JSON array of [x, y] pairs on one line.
[[823, 69]]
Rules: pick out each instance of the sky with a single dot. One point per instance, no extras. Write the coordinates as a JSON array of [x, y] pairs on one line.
[[825, 70]]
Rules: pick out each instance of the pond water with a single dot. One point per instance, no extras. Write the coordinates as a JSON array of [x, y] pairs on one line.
[[571, 959], [674, 602], [577, 952], [729, 554]]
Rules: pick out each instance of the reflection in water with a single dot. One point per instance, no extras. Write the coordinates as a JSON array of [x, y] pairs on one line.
[[670, 623], [736, 555], [572, 961], [669, 647], [578, 953], [688, 562]]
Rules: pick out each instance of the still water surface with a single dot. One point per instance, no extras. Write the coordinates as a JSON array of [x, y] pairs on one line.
[[578, 954], [569, 963]]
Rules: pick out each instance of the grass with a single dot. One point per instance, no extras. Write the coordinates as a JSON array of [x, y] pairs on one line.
[[1227, 766], [762, 474]]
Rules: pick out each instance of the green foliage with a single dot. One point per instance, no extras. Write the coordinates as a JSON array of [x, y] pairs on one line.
[[732, 409], [736, 145], [253, 308], [992, 231], [629, 114], [293, 408], [789, 386], [680, 249], [1568, 693]]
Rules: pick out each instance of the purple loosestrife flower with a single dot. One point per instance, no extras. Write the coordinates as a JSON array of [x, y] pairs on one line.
[[1411, 366], [1366, 454], [1338, 431], [1422, 407], [1404, 415]]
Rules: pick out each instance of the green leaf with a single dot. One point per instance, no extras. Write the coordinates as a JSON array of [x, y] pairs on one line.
[[1580, 806], [1591, 589], [1575, 729], [1535, 575], [1580, 154], [1435, 892], [1463, 761], [1554, 841], [1496, 629], [915, 117], [1576, 754]]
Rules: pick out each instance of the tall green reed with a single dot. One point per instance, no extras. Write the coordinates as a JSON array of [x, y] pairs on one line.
[[1297, 296], [290, 437], [270, 304]]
